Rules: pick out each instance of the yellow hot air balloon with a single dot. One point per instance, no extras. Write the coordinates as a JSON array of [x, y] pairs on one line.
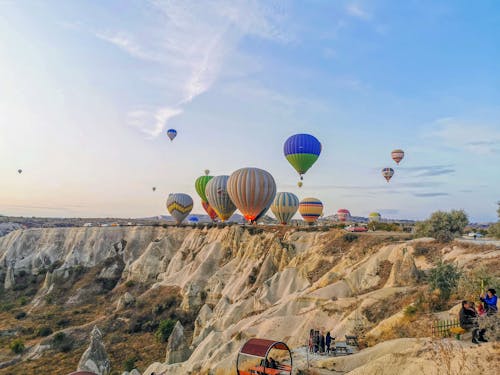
[[310, 209], [218, 197], [179, 205]]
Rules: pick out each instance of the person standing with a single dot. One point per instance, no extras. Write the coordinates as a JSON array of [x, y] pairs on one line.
[[322, 343], [328, 341]]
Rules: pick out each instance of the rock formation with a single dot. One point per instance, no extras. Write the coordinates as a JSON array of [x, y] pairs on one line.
[[95, 359], [177, 347]]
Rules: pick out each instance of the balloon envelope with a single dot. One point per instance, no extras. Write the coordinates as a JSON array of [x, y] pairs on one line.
[[209, 210], [302, 151], [179, 205], [218, 197], [252, 190], [284, 206], [397, 155], [200, 185], [171, 133], [374, 216], [387, 173], [154, 188], [343, 214], [310, 209], [19, 171]]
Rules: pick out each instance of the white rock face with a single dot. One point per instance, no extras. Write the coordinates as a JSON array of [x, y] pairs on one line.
[[177, 347], [95, 359]]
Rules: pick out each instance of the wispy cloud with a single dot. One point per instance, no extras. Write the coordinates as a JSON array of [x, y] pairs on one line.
[[355, 10], [191, 40], [476, 138], [430, 170], [430, 195]]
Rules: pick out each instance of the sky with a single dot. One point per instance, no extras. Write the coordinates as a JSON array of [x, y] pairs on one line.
[[89, 88]]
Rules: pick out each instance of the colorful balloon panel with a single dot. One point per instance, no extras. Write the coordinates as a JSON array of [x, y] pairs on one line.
[[209, 210], [302, 151], [179, 205], [218, 197], [343, 214], [387, 173], [397, 155], [284, 206], [252, 190], [374, 216], [310, 209], [200, 185], [171, 133]]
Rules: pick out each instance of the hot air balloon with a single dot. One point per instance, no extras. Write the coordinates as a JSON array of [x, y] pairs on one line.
[[154, 188], [179, 205], [374, 216], [19, 171], [397, 155], [302, 151], [209, 210], [200, 185], [310, 209], [171, 133], [343, 214], [284, 206], [252, 190], [299, 184], [218, 198], [387, 173]]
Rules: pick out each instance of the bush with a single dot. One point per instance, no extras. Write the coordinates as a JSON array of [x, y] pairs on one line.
[[410, 311], [44, 331], [23, 301], [64, 322], [443, 226], [130, 283], [17, 346], [164, 330], [129, 363], [350, 237], [444, 278], [62, 342], [20, 315]]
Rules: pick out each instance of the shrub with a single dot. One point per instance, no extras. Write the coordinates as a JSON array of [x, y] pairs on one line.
[[164, 330], [17, 346], [444, 277], [64, 322], [350, 237], [62, 342], [20, 315], [129, 363], [410, 311], [23, 301], [130, 283], [443, 226], [44, 331]]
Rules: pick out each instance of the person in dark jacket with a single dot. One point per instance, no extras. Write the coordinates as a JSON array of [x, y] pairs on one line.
[[328, 341], [316, 341], [322, 343], [490, 302], [468, 321]]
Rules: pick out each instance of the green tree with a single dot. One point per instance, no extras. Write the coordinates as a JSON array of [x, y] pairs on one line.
[[443, 226], [17, 346], [164, 330], [494, 229], [444, 277]]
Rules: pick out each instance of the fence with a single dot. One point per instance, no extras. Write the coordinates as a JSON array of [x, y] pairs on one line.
[[441, 328]]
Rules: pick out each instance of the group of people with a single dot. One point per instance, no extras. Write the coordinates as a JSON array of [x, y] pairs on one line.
[[320, 343], [271, 363], [470, 316]]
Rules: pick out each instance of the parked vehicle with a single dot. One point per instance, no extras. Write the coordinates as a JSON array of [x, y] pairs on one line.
[[356, 229]]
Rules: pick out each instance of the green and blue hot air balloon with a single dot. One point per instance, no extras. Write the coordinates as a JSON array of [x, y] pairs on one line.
[[302, 151]]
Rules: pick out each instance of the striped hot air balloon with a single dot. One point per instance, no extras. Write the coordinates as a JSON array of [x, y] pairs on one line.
[[387, 173], [179, 205], [209, 210], [252, 190], [218, 197], [200, 185], [343, 214], [310, 209], [397, 155], [171, 133], [302, 151], [284, 206], [374, 216]]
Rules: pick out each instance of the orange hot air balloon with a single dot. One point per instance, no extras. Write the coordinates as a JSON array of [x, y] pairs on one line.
[[310, 209], [397, 155], [209, 210]]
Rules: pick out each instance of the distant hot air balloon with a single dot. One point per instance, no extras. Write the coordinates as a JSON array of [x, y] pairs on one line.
[[171, 133], [154, 188], [218, 198], [207, 172], [19, 171], [343, 214], [302, 151], [179, 205], [374, 216], [397, 155], [387, 173], [310, 209], [284, 206], [252, 190], [200, 185], [299, 184], [193, 219], [209, 210]]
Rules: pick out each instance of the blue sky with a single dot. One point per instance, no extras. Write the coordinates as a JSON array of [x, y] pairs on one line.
[[88, 89]]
